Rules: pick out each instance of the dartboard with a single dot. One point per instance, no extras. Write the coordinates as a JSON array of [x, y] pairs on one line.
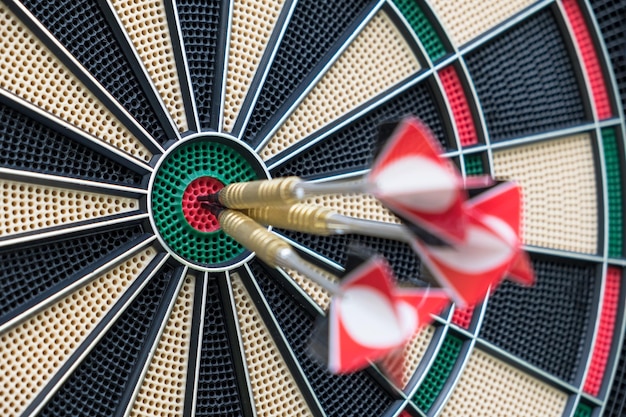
[[120, 295]]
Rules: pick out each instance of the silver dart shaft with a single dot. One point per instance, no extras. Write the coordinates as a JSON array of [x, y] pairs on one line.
[[311, 189], [269, 247], [322, 221]]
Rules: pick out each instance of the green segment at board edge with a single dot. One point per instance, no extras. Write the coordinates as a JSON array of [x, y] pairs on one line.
[[438, 373], [422, 27], [614, 175]]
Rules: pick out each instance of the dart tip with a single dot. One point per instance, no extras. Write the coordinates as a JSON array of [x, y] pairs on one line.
[[215, 209], [210, 198]]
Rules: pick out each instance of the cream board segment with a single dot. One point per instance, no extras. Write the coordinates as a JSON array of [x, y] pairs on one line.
[[252, 25], [162, 392], [465, 20], [32, 352], [146, 25], [274, 390], [30, 71], [559, 191], [490, 387], [378, 58], [318, 294], [27, 207]]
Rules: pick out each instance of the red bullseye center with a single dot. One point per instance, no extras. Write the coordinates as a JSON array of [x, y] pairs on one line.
[[197, 216]]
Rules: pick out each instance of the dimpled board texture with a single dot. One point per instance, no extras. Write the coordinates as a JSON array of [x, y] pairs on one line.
[[106, 371], [559, 194], [439, 372], [357, 76], [546, 324], [361, 206], [609, 14], [352, 147], [489, 387], [605, 334], [318, 294], [459, 105], [200, 27], [56, 332], [162, 391], [404, 365], [26, 61], [30, 207], [147, 27], [251, 27], [28, 145], [402, 258], [274, 390], [366, 398], [217, 384], [84, 31], [314, 29], [525, 80], [468, 19], [55, 262]]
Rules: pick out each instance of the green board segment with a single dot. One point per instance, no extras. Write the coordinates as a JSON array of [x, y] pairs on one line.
[[614, 176], [474, 165], [438, 374], [422, 27], [583, 410]]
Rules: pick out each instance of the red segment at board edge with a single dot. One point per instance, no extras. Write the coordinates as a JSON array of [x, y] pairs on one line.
[[459, 105], [589, 58], [606, 328]]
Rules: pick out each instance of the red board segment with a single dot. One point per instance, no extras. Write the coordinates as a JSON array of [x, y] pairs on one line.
[[602, 346], [462, 317], [590, 59], [459, 105], [200, 218]]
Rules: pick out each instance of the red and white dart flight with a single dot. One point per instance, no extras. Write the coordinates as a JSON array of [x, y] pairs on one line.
[[492, 248], [413, 180], [420, 303], [504, 203], [373, 318]]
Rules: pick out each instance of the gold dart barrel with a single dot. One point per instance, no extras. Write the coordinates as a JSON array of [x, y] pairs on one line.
[[298, 217], [270, 248], [259, 193], [267, 246]]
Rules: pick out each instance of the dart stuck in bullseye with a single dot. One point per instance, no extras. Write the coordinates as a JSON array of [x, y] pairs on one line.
[[409, 176], [468, 244]]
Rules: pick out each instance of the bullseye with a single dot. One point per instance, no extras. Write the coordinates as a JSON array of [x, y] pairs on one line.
[[198, 166], [197, 216]]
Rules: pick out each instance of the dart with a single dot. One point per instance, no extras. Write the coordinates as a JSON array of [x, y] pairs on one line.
[[259, 193], [270, 248], [409, 176], [492, 248], [373, 317], [278, 192], [322, 221]]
